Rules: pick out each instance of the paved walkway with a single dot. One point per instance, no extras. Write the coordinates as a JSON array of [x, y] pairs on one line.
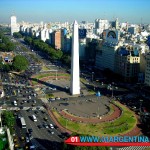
[[134, 132], [107, 118]]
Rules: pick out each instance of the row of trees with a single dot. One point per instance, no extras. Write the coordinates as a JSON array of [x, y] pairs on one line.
[[17, 35], [8, 120], [46, 48], [5, 44], [42, 46], [20, 63]]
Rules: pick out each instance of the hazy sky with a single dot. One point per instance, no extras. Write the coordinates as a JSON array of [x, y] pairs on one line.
[[80, 10]]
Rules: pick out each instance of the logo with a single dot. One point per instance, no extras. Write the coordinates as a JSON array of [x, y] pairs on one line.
[[82, 33]]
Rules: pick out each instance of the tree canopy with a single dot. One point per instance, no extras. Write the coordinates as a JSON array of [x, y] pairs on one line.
[[17, 35], [20, 63], [42, 46], [5, 43]]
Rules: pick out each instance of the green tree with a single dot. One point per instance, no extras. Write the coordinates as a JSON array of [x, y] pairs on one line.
[[6, 67], [8, 119], [66, 59], [17, 35], [20, 63]]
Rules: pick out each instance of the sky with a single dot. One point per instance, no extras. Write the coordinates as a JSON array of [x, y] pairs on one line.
[[132, 11]]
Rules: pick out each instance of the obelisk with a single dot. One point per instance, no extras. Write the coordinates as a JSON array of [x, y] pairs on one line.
[[75, 79]]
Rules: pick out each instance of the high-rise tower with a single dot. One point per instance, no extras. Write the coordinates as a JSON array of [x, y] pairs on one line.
[[75, 80], [13, 25]]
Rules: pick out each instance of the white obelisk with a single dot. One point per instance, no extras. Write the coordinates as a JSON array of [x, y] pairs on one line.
[[75, 80]]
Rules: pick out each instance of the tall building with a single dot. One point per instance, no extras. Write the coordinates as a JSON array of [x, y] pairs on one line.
[[105, 56], [127, 63], [13, 25], [100, 25], [147, 72], [75, 80], [56, 39], [115, 24]]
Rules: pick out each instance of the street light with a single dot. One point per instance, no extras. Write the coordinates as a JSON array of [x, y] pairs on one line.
[[141, 105], [66, 125], [56, 74], [92, 76], [111, 88]]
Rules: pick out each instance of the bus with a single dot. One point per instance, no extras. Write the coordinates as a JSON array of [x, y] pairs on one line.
[[23, 123]]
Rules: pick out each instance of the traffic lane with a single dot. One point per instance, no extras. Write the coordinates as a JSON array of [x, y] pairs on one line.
[[38, 132], [20, 132], [41, 134], [41, 115]]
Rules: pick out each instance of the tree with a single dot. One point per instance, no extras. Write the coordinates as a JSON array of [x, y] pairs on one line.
[[17, 35], [20, 63], [8, 119], [66, 59], [6, 67]]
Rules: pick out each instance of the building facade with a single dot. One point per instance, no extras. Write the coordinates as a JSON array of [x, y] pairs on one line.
[[127, 64], [13, 25], [56, 39], [147, 72]]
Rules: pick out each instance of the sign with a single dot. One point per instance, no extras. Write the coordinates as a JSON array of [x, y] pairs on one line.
[[82, 33]]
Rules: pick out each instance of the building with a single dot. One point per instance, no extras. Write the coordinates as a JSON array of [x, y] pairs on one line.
[[13, 24], [56, 39], [105, 56], [147, 72], [100, 25], [127, 64], [115, 24]]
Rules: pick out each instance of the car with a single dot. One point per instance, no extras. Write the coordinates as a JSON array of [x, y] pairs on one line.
[[40, 126], [51, 126], [61, 136], [27, 139], [52, 132], [45, 118], [30, 109], [33, 105], [15, 103], [15, 139], [19, 116], [42, 111], [34, 101], [30, 130], [21, 107], [36, 112], [22, 138], [52, 99], [45, 125], [57, 98]]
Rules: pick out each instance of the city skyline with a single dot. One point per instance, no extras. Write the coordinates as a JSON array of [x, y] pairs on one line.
[[132, 11]]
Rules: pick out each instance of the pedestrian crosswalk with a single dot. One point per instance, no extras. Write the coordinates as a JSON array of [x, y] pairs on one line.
[[25, 108]]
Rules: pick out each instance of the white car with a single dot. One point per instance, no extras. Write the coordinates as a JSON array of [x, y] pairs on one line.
[[52, 99], [51, 126], [15, 103], [27, 140], [57, 98], [52, 132]]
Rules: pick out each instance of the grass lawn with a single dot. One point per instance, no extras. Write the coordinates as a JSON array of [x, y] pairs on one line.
[[122, 125], [3, 142], [44, 68], [49, 96]]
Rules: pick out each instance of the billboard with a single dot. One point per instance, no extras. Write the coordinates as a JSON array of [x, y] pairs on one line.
[[82, 33]]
